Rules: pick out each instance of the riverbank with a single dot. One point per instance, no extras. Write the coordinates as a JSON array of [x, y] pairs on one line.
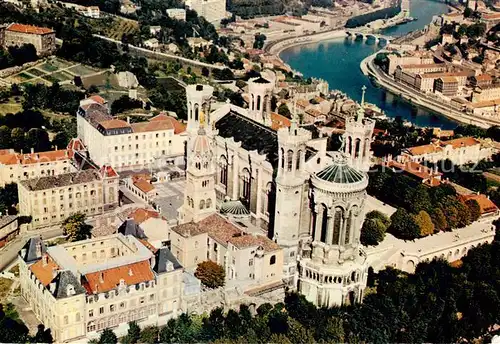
[[277, 47], [417, 98]]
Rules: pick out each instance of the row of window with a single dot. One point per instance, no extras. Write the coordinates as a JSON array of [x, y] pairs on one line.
[[157, 144]]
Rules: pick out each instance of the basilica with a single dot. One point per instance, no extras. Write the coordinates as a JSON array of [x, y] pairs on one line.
[[309, 201]]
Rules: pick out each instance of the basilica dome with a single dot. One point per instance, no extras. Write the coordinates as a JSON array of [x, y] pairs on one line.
[[339, 176]]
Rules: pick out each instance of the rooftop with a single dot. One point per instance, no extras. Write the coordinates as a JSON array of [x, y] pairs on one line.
[[340, 172], [30, 29], [438, 145], [35, 158], [485, 204], [62, 180]]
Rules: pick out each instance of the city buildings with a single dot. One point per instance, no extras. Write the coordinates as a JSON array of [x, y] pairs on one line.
[[213, 10], [18, 166], [50, 200], [123, 145], [459, 151], [80, 288], [177, 13], [42, 38]]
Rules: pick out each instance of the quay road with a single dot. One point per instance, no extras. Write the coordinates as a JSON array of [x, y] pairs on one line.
[[436, 105]]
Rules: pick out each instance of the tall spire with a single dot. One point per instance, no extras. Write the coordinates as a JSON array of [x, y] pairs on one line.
[[361, 110]]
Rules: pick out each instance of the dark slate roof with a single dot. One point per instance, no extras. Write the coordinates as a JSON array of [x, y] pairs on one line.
[[29, 251], [66, 179], [162, 257], [261, 80], [252, 135], [62, 280], [130, 227], [341, 173]]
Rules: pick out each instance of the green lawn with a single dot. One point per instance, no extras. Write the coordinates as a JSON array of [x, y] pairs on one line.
[[48, 67], [36, 72], [82, 70]]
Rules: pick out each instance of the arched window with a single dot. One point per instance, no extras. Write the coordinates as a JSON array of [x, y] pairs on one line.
[[223, 170], [266, 199], [367, 147], [196, 112], [337, 224], [258, 102], [357, 148], [299, 157], [252, 105], [348, 225], [349, 145], [209, 203], [202, 204], [324, 223], [245, 186], [265, 104], [282, 158], [272, 260], [289, 160]]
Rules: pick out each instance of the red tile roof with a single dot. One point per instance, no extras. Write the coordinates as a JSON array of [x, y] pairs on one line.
[[160, 122], [249, 240], [279, 121], [219, 228], [98, 99], [29, 29], [44, 272], [108, 171], [114, 124], [485, 204], [144, 185], [35, 158], [131, 274], [140, 215]]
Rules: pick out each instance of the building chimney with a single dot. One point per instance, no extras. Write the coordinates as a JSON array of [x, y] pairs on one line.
[[54, 272], [45, 260], [32, 150], [130, 272], [128, 119], [55, 148], [65, 153], [101, 277]]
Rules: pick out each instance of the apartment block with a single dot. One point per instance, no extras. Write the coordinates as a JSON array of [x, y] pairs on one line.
[[81, 288]]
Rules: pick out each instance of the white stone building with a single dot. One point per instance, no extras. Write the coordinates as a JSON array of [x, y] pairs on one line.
[[177, 13], [78, 289], [213, 10], [17, 166], [460, 151], [269, 179], [125, 145], [50, 200]]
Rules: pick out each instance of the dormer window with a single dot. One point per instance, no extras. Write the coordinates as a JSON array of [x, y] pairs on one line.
[[70, 290]]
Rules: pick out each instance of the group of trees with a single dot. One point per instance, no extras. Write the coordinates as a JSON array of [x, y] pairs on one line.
[[436, 304], [249, 8], [125, 103], [17, 56], [75, 228], [259, 41], [421, 210], [55, 98], [374, 228], [13, 330], [364, 19]]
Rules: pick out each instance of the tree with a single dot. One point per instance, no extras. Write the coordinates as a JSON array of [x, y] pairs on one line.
[[284, 110], [424, 223], [149, 335], [420, 200], [133, 333], [125, 103], [75, 228], [468, 12], [93, 89], [17, 137], [372, 232], [205, 72], [38, 139], [60, 140], [108, 337], [474, 210], [403, 225], [42, 335], [439, 220], [375, 214], [210, 274], [297, 333]]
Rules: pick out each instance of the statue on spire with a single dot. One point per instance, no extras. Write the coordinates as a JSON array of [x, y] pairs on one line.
[[361, 110]]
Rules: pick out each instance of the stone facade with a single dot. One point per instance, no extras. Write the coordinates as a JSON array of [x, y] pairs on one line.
[[43, 39]]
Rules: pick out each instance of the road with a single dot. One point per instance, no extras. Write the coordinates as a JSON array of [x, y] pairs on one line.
[[163, 56], [9, 253]]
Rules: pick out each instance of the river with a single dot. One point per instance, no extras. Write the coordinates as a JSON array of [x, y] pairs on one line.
[[337, 61]]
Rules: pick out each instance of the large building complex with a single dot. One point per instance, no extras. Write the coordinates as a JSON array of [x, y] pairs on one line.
[[236, 163], [18, 166], [213, 10], [42, 38], [50, 200], [111, 141], [80, 288]]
